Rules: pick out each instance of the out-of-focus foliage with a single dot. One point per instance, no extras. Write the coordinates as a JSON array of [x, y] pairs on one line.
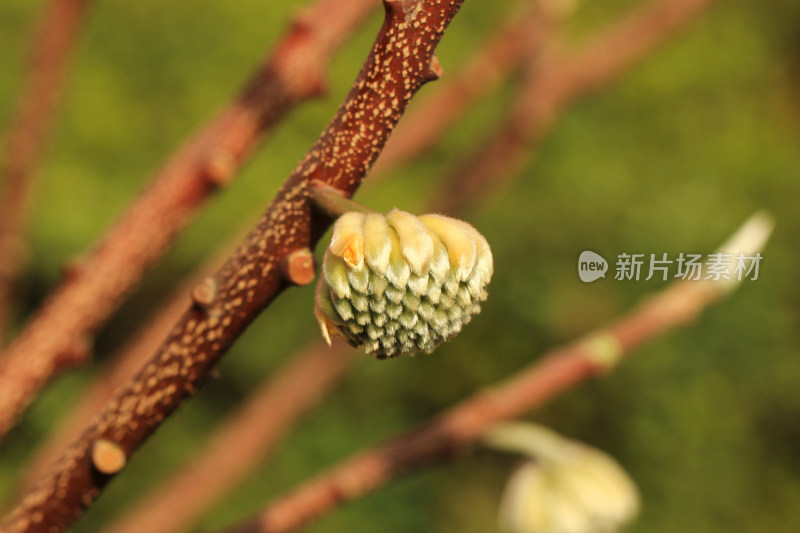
[[669, 159]]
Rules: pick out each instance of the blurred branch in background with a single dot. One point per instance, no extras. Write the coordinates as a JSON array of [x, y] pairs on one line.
[[53, 42], [60, 334], [226, 303], [565, 75], [555, 372], [178, 501]]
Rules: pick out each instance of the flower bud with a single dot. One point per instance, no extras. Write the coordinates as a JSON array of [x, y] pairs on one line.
[[566, 486], [398, 283]]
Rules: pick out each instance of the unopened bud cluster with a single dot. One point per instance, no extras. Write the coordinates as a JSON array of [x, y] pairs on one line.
[[564, 487], [398, 283]]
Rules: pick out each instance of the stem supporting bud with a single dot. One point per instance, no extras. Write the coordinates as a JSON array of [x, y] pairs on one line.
[[332, 201]]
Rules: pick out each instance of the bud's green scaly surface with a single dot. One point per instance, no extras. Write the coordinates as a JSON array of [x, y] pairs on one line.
[[398, 283]]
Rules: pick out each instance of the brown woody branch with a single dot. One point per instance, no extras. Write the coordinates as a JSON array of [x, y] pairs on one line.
[[55, 38], [420, 128], [251, 433], [564, 76], [460, 426], [400, 62], [500, 54], [245, 439], [58, 336], [125, 363]]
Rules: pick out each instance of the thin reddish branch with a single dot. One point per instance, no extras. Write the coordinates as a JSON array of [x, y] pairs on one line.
[[462, 425], [564, 76], [55, 38], [56, 336], [400, 62], [520, 36]]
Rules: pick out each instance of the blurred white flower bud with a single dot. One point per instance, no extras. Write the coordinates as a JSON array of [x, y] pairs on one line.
[[398, 283], [565, 487]]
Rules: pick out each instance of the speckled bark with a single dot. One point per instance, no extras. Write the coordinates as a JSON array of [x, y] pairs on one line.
[[402, 59], [236, 448], [58, 335], [429, 118]]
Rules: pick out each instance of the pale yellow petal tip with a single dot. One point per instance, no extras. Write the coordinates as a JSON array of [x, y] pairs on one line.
[[416, 245], [353, 254], [327, 327], [323, 327], [377, 242], [347, 241], [461, 247], [323, 307]]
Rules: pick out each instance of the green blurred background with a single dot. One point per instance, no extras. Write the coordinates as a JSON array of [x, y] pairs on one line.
[[671, 158]]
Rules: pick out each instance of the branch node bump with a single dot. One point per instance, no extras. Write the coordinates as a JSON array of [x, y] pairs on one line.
[[221, 167], [205, 293], [77, 354], [300, 22], [409, 8], [108, 457], [435, 70], [298, 267], [72, 268], [318, 87]]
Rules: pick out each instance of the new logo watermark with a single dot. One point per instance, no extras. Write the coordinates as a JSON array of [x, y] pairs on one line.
[[591, 266], [717, 266]]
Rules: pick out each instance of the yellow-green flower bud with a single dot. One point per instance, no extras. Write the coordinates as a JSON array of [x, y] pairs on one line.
[[398, 283], [566, 487]]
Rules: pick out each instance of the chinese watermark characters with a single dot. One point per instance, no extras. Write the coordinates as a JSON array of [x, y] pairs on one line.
[[718, 266]]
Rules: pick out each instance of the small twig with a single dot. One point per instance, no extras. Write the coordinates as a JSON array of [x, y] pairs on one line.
[[82, 303], [107, 457], [400, 62], [549, 87], [460, 426], [55, 38]]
